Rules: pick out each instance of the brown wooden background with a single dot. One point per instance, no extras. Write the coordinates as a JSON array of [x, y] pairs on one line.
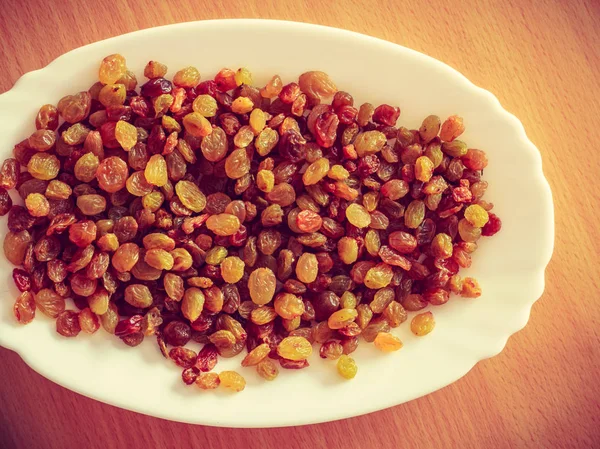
[[542, 59]]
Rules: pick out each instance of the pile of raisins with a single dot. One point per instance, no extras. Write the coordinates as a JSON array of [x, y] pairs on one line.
[[241, 218]]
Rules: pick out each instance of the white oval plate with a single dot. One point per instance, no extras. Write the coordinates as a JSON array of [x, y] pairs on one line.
[[510, 266]]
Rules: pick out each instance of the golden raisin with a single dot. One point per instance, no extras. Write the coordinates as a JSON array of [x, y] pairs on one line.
[[173, 285], [190, 195], [182, 259], [288, 306], [112, 173], [158, 240], [232, 380], [37, 205], [232, 269], [42, 140], [273, 87], [126, 135], [346, 367], [467, 231], [347, 250], [470, 288], [49, 302], [126, 257], [422, 324], [265, 180], [153, 200], [348, 300], [91, 204], [358, 215], [257, 355], [369, 142], [86, 166], [441, 246], [341, 318], [429, 128], [205, 105], [338, 172], [267, 370], [197, 125], [24, 308], [129, 80], [265, 141], [257, 120], [237, 164], [208, 381], [476, 215], [98, 301], [261, 285], [138, 295], [243, 76], [386, 342], [223, 224], [294, 348], [161, 104], [316, 171], [156, 171], [43, 166], [242, 105], [379, 276], [155, 69], [187, 77], [307, 268], [112, 68], [452, 128], [159, 259], [423, 169], [192, 303], [112, 95]]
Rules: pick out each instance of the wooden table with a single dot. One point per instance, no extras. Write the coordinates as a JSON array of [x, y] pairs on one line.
[[541, 58]]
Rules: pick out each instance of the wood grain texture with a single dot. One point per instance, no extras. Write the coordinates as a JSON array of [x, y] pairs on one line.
[[541, 58]]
